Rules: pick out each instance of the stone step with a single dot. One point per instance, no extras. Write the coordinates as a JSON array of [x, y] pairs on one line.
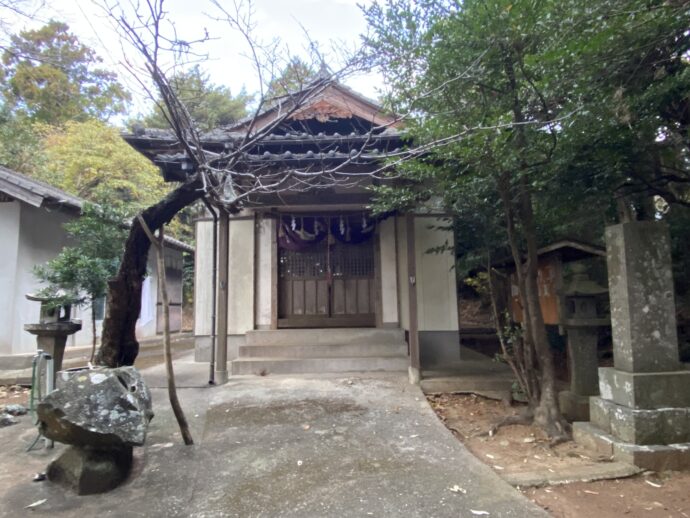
[[264, 366], [324, 336], [323, 350], [467, 384]]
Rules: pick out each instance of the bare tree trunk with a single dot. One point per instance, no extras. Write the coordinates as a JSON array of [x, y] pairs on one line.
[[119, 345], [547, 414], [159, 245]]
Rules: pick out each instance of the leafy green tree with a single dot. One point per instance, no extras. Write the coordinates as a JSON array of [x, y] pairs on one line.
[[90, 159], [51, 77], [294, 77], [536, 115], [623, 65], [21, 147], [461, 68], [80, 273], [209, 105]]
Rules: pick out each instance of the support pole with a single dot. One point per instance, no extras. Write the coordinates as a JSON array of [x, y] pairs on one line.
[[214, 296], [414, 369], [221, 375]]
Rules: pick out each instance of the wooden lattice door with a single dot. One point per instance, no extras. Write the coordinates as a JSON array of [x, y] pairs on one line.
[[327, 284]]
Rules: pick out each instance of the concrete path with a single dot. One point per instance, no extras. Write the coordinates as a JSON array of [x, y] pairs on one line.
[[300, 446]]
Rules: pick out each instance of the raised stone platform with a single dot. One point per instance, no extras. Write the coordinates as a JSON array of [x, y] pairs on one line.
[[645, 390], [654, 457]]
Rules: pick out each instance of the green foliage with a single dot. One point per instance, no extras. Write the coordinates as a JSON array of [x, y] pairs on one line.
[[51, 77], [20, 146], [574, 102], [90, 159], [210, 105], [294, 77], [79, 274]]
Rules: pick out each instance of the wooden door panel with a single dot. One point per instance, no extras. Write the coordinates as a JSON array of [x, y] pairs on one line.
[[322, 302], [310, 297], [298, 297], [363, 306], [329, 283]]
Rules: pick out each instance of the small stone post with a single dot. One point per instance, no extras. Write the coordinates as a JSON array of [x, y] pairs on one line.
[[643, 414]]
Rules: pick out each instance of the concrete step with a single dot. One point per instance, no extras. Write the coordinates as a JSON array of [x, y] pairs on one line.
[[323, 350], [265, 366], [467, 384], [325, 336]]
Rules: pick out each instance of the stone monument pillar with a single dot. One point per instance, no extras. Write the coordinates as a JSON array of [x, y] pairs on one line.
[[643, 414], [582, 328]]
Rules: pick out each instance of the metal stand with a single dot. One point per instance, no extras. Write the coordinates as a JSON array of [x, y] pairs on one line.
[[42, 366]]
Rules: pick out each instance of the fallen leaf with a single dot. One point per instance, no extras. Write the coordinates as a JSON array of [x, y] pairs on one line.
[[36, 503]]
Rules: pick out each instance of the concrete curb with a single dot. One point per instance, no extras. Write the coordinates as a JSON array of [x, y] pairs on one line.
[[603, 471]]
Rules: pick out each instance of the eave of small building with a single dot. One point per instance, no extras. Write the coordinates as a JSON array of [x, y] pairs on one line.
[[17, 186]]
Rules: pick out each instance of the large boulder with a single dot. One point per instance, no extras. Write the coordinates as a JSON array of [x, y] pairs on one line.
[[100, 408]]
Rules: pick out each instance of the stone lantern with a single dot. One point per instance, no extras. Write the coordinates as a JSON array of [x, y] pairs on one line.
[[582, 328], [53, 329]]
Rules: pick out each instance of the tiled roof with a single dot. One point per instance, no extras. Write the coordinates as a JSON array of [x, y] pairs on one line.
[[39, 194]]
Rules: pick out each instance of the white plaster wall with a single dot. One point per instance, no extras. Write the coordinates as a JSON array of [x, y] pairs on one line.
[[266, 236], [203, 278], [403, 277], [241, 276], [436, 285], [41, 238], [9, 249], [389, 273]]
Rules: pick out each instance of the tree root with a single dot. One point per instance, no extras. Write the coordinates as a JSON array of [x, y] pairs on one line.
[[525, 417]]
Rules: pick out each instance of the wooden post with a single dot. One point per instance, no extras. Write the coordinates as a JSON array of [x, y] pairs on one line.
[[414, 369], [221, 375]]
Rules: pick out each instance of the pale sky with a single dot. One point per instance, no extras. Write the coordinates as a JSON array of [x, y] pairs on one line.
[[331, 23]]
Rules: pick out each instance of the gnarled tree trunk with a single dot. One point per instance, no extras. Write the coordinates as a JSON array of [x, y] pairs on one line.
[[119, 344]]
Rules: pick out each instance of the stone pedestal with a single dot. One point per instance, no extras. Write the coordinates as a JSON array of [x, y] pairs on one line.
[[643, 413], [582, 351], [88, 471], [51, 338]]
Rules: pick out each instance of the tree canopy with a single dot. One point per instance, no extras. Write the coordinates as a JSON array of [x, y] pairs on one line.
[[292, 78], [210, 105], [535, 116], [51, 77], [90, 159]]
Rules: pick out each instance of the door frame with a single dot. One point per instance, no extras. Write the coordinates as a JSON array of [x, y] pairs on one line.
[[318, 321]]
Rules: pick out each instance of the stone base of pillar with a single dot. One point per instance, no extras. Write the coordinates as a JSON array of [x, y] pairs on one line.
[[221, 377], [574, 407], [640, 418], [658, 457], [414, 375]]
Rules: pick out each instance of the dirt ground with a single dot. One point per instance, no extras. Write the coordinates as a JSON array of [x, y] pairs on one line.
[[14, 394], [518, 448]]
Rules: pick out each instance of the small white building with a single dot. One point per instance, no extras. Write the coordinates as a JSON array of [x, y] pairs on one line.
[[313, 281], [32, 215]]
